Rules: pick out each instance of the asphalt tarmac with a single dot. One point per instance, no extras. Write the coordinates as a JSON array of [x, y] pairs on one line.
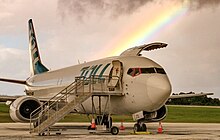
[[78, 131]]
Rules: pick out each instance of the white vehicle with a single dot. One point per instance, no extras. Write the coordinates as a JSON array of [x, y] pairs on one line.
[[125, 84]]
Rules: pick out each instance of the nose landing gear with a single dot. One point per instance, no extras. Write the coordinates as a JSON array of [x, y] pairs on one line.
[[140, 127]]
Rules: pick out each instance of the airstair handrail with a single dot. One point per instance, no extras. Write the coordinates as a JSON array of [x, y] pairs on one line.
[[87, 85], [54, 97]]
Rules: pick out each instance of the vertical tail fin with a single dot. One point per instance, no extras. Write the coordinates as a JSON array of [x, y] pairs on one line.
[[36, 64]]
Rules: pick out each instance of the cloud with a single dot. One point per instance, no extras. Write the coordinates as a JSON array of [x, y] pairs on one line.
[[190, 59], [192, 56], [14, 61], [199, 4], [85, 8]]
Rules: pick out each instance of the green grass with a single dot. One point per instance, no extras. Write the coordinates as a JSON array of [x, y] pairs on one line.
[[193, 114], [4, 115], [4, 108], [175, 114], [75, 118]]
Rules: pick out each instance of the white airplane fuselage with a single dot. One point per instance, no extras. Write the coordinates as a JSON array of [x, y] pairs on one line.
[[142, 91]]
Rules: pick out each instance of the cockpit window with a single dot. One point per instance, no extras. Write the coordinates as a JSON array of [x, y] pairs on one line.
[[130, 71], [148, 70], [134, 71], [137, 71], [160, 70]]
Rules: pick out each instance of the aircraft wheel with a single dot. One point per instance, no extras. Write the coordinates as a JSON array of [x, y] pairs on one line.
[[144, 127], [137, 127], [41, 134], [114, 130]]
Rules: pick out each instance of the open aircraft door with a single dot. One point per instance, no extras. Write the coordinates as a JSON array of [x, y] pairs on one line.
[[115, 75]]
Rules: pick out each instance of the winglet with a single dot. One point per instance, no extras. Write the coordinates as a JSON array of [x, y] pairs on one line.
[[35, 60], [135, 51]]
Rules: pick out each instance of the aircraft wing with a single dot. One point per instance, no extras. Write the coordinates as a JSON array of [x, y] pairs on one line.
[[13, 81], [135, 51], [5, 98], [189, 95]]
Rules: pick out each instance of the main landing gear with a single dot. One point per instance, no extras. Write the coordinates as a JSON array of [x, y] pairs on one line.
[[140, 127]]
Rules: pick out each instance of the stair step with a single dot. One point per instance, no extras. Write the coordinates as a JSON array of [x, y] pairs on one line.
[[75, 93], [61, 113]]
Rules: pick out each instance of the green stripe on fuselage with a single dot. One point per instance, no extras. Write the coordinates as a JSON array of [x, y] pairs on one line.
[[103, 70], [93, 68], [96, 70]]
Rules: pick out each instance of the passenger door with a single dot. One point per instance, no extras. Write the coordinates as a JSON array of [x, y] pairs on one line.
[[115, 75]]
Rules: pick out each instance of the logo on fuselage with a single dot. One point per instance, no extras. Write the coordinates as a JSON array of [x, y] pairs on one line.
[[89, 71]]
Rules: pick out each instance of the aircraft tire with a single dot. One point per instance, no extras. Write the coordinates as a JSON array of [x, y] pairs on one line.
[[143, 128], [137, 127], [114, 130]]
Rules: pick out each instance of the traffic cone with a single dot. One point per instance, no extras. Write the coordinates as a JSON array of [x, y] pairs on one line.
[[93, 125], [160, 128], [122, 126]]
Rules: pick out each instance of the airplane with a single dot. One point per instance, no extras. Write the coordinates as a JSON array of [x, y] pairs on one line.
[[134, 85]]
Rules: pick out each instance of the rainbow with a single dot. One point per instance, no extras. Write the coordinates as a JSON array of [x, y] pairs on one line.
[[143, 29]]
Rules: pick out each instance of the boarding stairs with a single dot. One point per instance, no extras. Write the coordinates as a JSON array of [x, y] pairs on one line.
[[68, 99]]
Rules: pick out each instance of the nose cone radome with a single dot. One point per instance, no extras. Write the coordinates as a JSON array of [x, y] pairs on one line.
[[159, 90]]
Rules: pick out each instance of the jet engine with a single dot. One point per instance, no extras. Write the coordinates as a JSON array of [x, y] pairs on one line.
[[22, 107], [158, 115]]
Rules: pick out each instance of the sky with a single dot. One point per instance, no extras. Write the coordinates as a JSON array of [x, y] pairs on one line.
[[73, 31]]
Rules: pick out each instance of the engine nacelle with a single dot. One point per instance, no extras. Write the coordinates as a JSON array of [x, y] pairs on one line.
[[160, 114], [155, 116], [22, 107]]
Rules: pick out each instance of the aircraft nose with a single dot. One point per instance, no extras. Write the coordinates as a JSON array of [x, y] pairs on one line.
[[158, 89]]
